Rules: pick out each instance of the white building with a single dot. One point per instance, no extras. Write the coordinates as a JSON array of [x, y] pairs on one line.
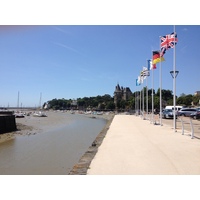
[[197, 93]]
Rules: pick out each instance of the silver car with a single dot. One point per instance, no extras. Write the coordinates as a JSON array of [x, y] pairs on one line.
[[186, 112], [168, 114]]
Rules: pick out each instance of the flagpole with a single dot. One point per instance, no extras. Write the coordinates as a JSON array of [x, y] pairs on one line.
[[160, 89], [137, 103], [136, 83], [152, 97], [142, 95], [140, 100], [143, 100], [174, 83], [147, 97]]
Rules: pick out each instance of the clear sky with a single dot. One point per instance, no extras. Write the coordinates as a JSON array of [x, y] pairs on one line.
[[72, 61], [89, 60]]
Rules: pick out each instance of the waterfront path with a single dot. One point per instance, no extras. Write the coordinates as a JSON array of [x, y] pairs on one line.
[[133, 146]]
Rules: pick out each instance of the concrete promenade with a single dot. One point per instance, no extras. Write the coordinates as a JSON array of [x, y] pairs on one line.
[[133, 146]]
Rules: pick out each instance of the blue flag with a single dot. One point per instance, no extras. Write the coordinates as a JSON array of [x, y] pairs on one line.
[[138, 82]]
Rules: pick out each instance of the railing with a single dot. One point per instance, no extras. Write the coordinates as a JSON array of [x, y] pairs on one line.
[[182, 119], [153, 118], [185, 123]]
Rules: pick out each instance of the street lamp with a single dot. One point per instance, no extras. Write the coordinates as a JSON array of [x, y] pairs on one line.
[[174, 74]]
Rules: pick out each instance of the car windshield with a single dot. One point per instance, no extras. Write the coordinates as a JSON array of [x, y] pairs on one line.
[[168, 110]]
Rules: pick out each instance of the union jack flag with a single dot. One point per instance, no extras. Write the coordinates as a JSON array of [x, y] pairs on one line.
[[168, 41]]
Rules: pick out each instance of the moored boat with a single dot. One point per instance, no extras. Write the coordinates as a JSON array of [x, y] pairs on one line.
[[39, 114]]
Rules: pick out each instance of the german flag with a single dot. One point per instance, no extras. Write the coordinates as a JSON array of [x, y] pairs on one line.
[[157, 58]]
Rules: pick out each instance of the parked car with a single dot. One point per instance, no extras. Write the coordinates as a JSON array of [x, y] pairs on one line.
[[168, 114], [195, 115], [186, 112], [177, 108]]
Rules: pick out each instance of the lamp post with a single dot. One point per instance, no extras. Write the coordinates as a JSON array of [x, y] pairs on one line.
[[174, 74]]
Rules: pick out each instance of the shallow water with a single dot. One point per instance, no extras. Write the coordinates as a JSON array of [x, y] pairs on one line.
[[50, 153]]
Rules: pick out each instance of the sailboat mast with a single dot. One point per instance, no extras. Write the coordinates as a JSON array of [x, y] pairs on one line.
[[40, 99], [18, 100]]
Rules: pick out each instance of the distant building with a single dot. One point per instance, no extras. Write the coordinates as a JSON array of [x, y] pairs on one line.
[[121, 93], [197, 93]]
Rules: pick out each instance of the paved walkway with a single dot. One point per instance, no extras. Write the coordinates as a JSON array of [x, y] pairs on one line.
[[133, 146]]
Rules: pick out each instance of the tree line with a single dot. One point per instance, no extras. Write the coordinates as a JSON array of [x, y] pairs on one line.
[[167, 99], [106, 102]]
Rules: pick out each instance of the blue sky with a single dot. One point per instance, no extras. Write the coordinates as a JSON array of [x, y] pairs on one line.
[[72, 49], [72, 61]]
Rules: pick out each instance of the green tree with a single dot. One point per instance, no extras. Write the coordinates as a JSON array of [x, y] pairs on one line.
[[188, 100], [81, 102], [166, 94], [185, 100], [181, 100], [196, 100], [157, 102], [110, 105]]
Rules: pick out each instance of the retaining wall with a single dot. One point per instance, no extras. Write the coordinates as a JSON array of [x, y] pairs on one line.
[[7, 123]]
